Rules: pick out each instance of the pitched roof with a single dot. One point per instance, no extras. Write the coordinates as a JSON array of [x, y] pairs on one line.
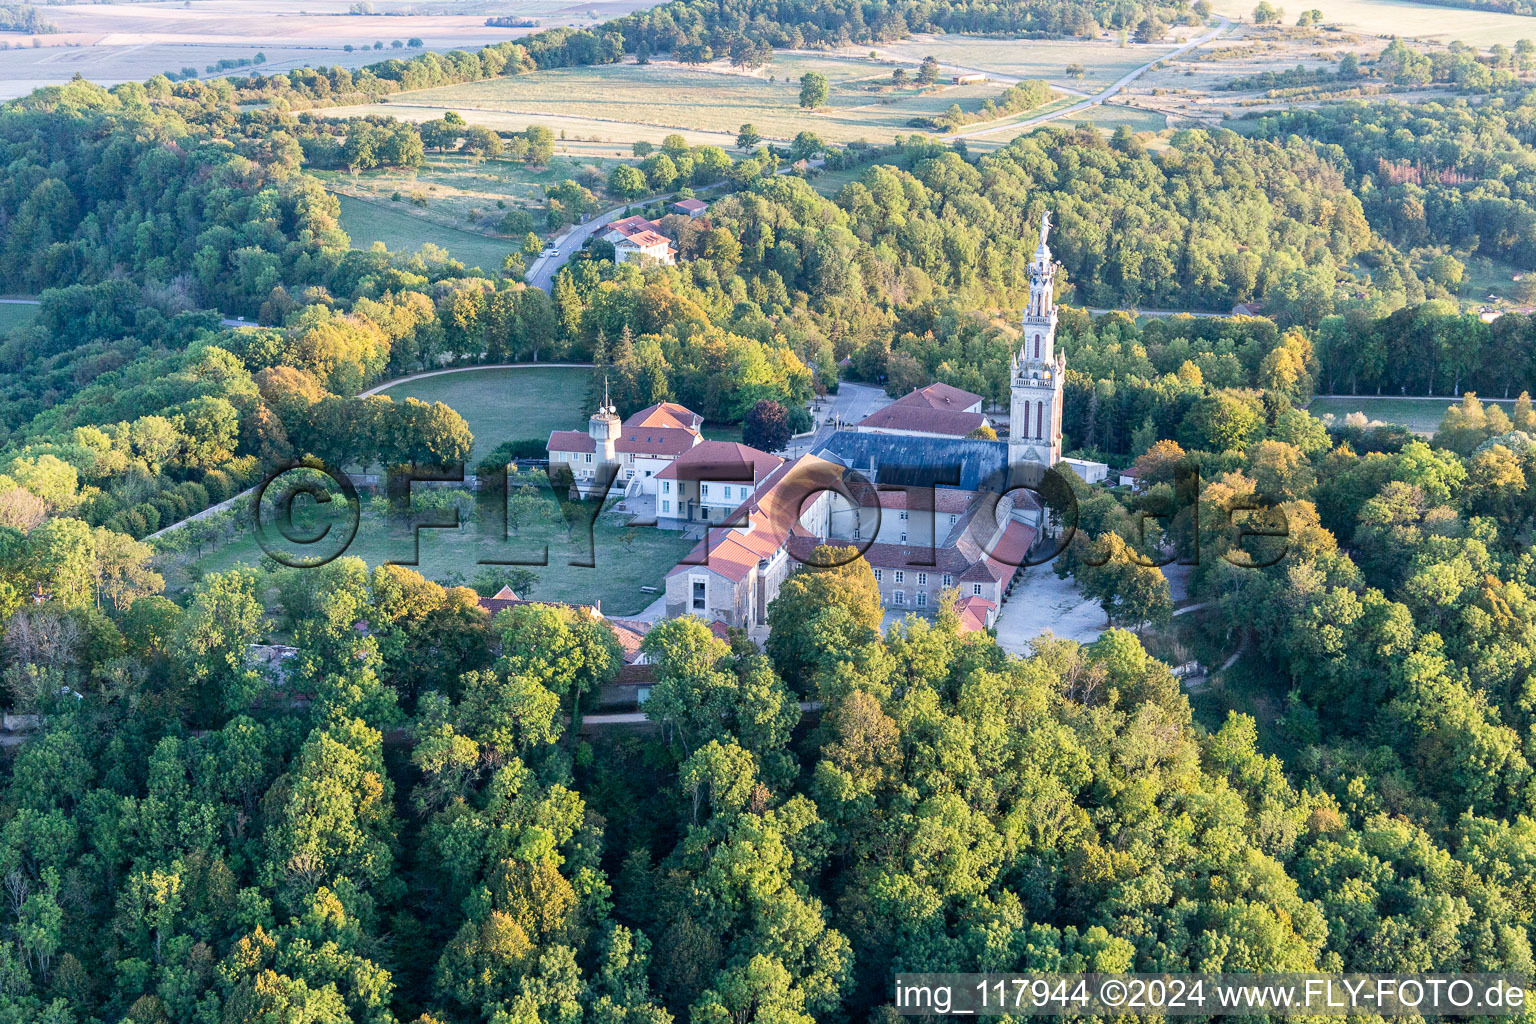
[[665, 414], [655, 441], [629, 633], [709, 459], [941, 396], [765, 522], [632, 226], [691, 205], [960, 462], [973, 610], [923, 419], [645, 239], [943, 499], [571, 441]]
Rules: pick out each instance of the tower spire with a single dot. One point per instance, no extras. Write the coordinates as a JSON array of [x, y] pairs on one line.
[[1034, 429]]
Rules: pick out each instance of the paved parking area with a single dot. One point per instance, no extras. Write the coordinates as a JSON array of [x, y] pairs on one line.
[[852, 403], [1043, 603]]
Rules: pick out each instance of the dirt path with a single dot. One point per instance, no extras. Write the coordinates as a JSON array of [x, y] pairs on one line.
[[377, 388], [1099, 97]]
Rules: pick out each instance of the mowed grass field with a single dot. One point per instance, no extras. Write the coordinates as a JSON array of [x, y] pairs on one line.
[[1421, 415], [368, 222], [624, 558], [1412, 20], [710, 98], [509, 404]]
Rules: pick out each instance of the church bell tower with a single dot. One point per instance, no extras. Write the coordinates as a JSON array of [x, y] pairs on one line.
[[1034, 412]]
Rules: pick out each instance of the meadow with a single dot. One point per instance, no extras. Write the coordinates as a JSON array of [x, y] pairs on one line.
[[1421, 415], [710, 98], [511, 404], [369, 221]]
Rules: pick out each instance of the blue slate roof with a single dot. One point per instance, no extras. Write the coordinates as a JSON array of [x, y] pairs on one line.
[[903, 460]]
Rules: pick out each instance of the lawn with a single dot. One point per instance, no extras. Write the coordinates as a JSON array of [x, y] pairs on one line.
[[368, 222], [508, 404], [1421, 415], [711, 98], [1413, 20], [623, 558], [16, 314]]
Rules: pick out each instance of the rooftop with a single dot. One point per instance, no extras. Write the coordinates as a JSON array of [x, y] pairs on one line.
[[765, 522], [921, 418], [709, 460], [941, 396]]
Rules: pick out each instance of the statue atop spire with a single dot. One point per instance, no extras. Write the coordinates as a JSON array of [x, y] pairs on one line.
[[1045, 226]]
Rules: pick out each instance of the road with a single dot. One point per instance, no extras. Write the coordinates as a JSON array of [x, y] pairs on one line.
[[1097, 98], [852, 403], [542, 274]]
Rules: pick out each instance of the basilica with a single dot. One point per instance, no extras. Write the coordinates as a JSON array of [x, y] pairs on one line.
[[932, 504]]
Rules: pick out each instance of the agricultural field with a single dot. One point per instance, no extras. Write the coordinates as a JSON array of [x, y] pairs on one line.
[[110, 43], [507, 404], [712, 98], [625, 558], [1421, 415], [369, 221], [1404, 18]]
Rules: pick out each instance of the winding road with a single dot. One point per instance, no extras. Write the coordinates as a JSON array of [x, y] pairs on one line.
[[1099, 97]]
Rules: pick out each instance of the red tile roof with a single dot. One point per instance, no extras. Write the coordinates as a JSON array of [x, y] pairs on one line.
[[630, 633], [943, 499], [646, 239], [709, 459], [941, 396], [655, 441], [770, 519], [665, 414], [691, 205], [571, 441], [920, 418], [973, 610], [632, 226]]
